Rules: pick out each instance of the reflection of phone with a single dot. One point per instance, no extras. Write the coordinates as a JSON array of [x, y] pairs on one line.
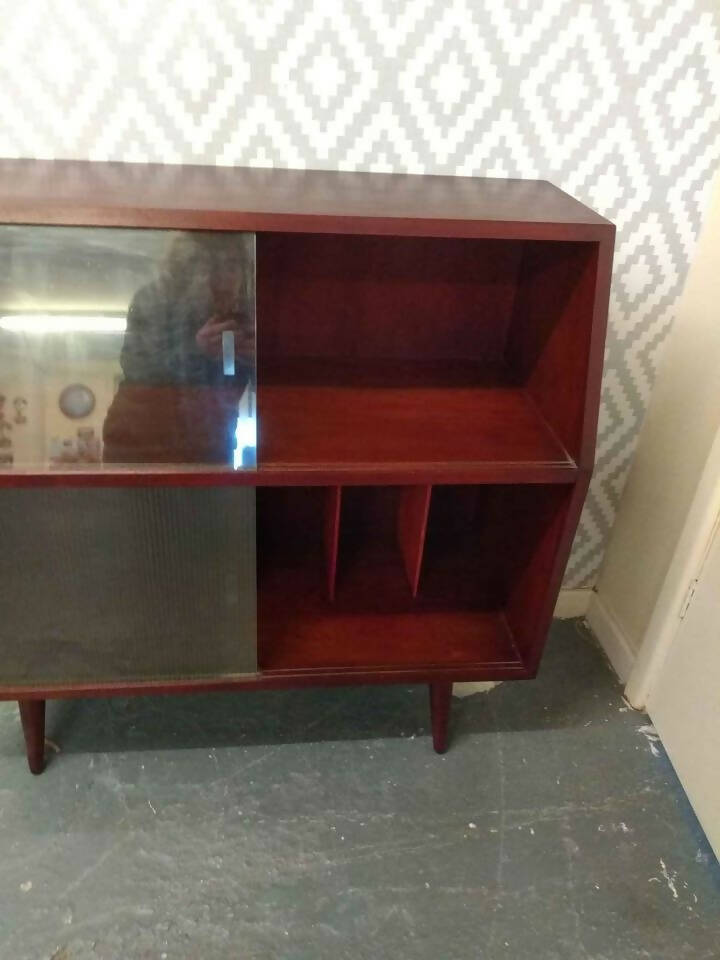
[[228, 353]]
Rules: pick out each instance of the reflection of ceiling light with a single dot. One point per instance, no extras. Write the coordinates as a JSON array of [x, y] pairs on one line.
[[41, 323]]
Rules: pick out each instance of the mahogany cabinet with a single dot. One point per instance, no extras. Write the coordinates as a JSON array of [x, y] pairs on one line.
[[272, 428]]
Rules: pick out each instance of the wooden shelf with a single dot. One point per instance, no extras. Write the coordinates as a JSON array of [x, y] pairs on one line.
[[423, 419], [474, 641], [299, 630]]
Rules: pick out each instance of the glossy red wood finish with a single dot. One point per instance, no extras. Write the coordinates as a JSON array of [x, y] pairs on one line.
[[531, 602], [232, 198], [429, 360], [549, 342], [332, 535], [440, 700], [412, 521], [374, 624], [417, 431], [311, 640], [368, 298], [32, 717], [448, 607]]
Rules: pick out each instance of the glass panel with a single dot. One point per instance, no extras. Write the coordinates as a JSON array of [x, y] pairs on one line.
[[126, 347], [130, 583]]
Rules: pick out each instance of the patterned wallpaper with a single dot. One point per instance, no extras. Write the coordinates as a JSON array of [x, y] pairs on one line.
[[616, 101]]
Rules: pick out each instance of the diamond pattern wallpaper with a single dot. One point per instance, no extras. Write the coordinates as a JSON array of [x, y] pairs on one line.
[[617, 102]]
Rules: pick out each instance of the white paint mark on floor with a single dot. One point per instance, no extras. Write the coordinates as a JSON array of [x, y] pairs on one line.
[[621, 827], [651, 735], [26, 886], [669, 878]]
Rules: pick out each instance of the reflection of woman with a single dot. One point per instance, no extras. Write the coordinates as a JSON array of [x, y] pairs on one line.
[[175, 325], [178, 398]]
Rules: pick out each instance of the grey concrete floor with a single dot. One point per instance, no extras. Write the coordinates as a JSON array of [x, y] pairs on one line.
[[309, 824]]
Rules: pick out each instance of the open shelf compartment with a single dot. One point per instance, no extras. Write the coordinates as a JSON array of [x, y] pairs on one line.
[[444, 577], [430, 354]]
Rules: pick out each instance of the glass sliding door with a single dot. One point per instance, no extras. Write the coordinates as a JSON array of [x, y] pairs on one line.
[[126, 351], [126, 348]]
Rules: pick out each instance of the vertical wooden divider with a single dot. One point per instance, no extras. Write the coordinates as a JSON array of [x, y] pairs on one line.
[[413, 509], [333, 500]]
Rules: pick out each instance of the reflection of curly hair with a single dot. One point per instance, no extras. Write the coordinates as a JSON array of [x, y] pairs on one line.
[[192, 255]]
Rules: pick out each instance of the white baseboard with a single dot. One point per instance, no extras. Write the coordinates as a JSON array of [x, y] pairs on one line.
[[470, 687], [620, 652], [572, 603]]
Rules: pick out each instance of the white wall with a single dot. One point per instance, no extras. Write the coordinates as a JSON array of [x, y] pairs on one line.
[[682, 421], [32, 441]]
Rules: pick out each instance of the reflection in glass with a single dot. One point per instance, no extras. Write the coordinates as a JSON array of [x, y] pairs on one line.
[[157, 326]]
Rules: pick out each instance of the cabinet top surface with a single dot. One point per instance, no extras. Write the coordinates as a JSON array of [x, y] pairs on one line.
[[244, 198]]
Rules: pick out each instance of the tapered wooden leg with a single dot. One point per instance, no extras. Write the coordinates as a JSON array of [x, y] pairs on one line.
[[32, 716], [440, 699]]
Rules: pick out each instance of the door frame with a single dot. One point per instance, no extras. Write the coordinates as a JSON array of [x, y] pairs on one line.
[[690, 552]]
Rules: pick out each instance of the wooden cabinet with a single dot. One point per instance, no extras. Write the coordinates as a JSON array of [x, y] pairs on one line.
[[387, 385]]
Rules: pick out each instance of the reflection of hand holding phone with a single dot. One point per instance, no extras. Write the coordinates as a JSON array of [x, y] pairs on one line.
[[209, 337], [244, 344]]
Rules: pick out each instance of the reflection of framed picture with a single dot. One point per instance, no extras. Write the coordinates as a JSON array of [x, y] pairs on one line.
[[77, 401]]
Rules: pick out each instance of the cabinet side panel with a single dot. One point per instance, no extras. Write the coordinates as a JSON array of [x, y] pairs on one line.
[[535, 584], [126, 584], [551, 332]]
